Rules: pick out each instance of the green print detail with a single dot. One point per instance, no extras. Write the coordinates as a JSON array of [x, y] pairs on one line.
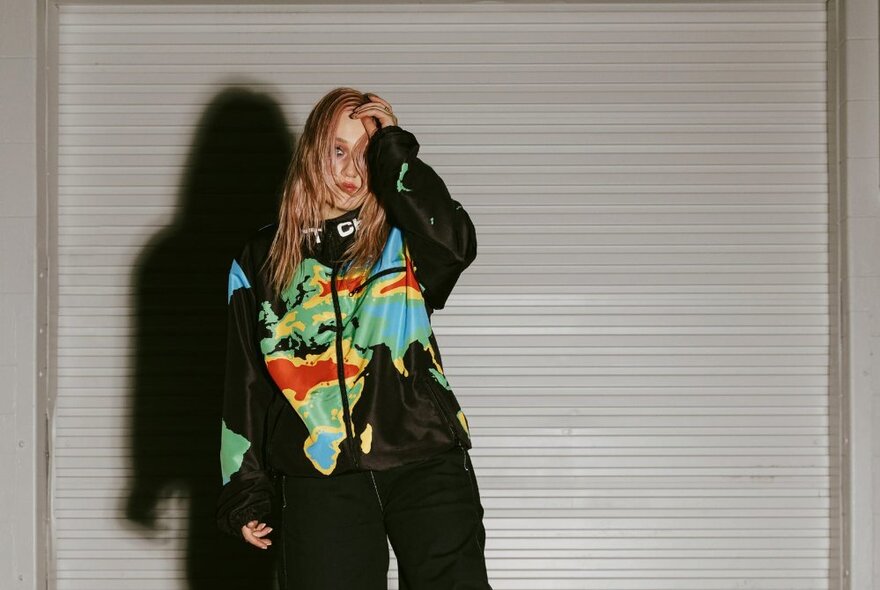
[[440, 378], [400, 187], [233, 446], [432, 221], [267, 316]]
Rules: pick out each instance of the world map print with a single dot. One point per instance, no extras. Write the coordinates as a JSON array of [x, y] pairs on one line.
[[382, 306]]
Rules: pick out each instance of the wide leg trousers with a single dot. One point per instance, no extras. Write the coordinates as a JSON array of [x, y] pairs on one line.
[[335, 531]]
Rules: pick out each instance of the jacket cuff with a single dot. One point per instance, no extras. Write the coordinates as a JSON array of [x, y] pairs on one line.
[[238, 518]]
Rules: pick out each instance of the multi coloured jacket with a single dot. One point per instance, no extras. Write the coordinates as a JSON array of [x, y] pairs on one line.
[[342, 372]]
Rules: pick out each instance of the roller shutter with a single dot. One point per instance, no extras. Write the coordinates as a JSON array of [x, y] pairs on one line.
[[641, 346]]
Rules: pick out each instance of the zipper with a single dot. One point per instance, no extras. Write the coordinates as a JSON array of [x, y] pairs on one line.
[[376, 276], [346, 412], [442, 411]]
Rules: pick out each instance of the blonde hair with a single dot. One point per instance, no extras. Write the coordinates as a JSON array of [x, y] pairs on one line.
[[309, 185]]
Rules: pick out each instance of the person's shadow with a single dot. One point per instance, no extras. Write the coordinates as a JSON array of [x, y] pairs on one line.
[[230, 187]]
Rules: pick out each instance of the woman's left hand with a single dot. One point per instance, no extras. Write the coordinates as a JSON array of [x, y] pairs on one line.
[[379, 111]]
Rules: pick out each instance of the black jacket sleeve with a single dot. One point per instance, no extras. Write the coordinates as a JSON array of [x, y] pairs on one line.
[[438, 231], [248, 489]]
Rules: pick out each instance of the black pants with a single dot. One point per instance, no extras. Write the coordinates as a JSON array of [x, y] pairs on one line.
[[335, 530]]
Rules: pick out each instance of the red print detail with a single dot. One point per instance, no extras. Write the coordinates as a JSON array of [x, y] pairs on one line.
[[347, 284], [407, 280], [302, 379], [325, 288], [342, 284]]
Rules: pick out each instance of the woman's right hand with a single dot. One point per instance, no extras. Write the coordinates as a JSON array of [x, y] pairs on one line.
[[379, 110], [253, 532]]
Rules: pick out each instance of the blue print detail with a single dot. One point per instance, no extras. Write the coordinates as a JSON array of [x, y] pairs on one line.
[[237, 280]]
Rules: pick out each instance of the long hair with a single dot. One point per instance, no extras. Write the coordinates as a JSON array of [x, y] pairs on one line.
[[310, 183]]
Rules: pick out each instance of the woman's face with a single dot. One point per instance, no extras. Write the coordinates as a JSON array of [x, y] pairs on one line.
[[348, 132]]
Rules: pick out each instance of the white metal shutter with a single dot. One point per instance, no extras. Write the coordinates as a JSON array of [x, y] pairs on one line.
[[641, 346]]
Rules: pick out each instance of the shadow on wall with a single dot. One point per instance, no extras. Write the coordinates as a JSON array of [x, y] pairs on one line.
[[230, 187]]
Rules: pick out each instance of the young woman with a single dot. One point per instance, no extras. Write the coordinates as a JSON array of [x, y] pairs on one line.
[[336, 404]]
